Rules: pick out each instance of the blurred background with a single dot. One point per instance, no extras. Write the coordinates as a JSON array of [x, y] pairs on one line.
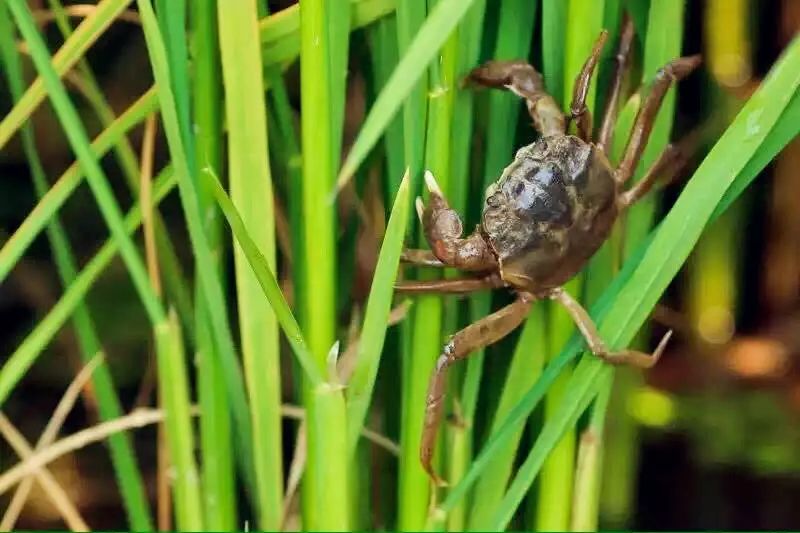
[[710, 438]]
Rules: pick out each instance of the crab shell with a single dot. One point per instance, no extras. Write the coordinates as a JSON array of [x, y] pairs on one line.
[[550, 211]]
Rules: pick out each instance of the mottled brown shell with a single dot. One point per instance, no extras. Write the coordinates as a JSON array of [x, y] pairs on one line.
[[550, 211]]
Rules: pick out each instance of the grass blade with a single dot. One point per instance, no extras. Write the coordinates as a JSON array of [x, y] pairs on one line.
[[267, 282], [80, 144], [280, 33], [219, 480], [211, 289], [52, 201], [24, 356], [373, 333], [586, 496], [72, 50], [459, 443], [251, 191]]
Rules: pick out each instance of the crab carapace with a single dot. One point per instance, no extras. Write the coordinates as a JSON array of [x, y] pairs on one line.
[[547, 214]]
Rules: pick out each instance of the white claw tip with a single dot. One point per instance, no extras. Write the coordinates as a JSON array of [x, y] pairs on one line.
[[430, 182], [420, 207]]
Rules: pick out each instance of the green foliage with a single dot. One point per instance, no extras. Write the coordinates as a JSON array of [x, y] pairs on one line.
[[231, 127]]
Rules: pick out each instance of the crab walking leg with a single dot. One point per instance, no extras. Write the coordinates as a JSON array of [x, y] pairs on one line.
[[622, 58], [420, 258], [486, 331], [450, 286], [673, 71], [526, 82], [443, 229], [595, 342], [578, 110], [668, 164]]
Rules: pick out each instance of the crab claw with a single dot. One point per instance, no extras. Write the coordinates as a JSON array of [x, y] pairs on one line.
[[430, 183], [420, 209]]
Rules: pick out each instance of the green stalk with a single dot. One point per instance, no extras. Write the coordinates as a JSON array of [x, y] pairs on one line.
[[588, 469], [280, 33], [211, 288], [383, 47], [219, 494], [267, 282], [174, 394], [31, 347], [108, 404], [620, 453], [327, 401], [251, 192], [172, 21], [413, 486], [554, 30], [326, 488]]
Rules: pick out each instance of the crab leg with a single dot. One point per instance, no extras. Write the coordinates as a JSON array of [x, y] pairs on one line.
[[673, 71], [486, 331], [623, 55], [668, 164], [420, 258], [451, 286], [578, 110], [525, 81], [443, 229], [595, 342]]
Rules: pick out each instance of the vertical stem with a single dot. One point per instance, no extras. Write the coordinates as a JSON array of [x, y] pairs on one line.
[[588, 469], [219, 495], [322, 70], [413, 486], [174, 393], [251, 192]]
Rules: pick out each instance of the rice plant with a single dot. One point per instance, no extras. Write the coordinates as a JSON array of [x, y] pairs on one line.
[[270, 172]]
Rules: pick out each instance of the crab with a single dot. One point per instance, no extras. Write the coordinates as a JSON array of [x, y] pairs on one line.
[[544, 218]]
